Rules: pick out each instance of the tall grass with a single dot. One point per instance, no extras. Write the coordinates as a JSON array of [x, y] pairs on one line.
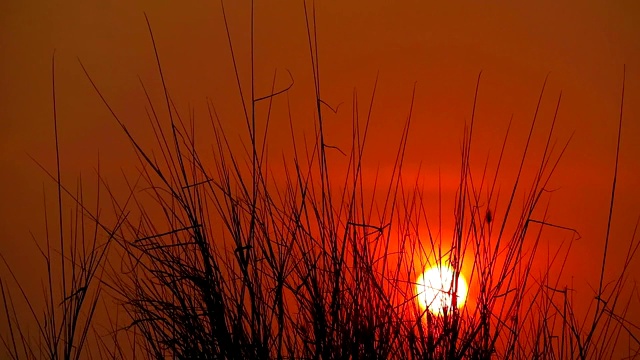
[[214, 256], [71, 290]]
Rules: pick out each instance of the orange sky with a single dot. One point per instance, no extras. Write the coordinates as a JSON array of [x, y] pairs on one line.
[[441, 46]]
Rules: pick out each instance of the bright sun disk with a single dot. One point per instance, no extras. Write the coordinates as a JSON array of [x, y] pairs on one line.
[[433, 289]]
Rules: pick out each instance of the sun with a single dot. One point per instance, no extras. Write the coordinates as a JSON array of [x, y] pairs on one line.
[[433, 289]]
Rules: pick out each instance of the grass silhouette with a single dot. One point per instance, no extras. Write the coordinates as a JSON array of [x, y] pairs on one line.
[[210, 256]]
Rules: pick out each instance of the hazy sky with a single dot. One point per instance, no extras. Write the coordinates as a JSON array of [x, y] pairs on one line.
[[438, 45]]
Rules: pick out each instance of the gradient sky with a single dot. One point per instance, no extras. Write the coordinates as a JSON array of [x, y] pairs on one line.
[[439, 45]]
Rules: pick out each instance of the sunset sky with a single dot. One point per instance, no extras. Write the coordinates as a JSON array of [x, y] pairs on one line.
[[439, 46]]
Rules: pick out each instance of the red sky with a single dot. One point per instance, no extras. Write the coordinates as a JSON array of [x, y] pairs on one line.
[[438, 45]]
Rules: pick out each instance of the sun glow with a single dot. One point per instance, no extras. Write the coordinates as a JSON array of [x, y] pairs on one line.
[[434, 289]]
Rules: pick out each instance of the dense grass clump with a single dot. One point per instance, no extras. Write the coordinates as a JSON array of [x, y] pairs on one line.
[[212, 256]]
